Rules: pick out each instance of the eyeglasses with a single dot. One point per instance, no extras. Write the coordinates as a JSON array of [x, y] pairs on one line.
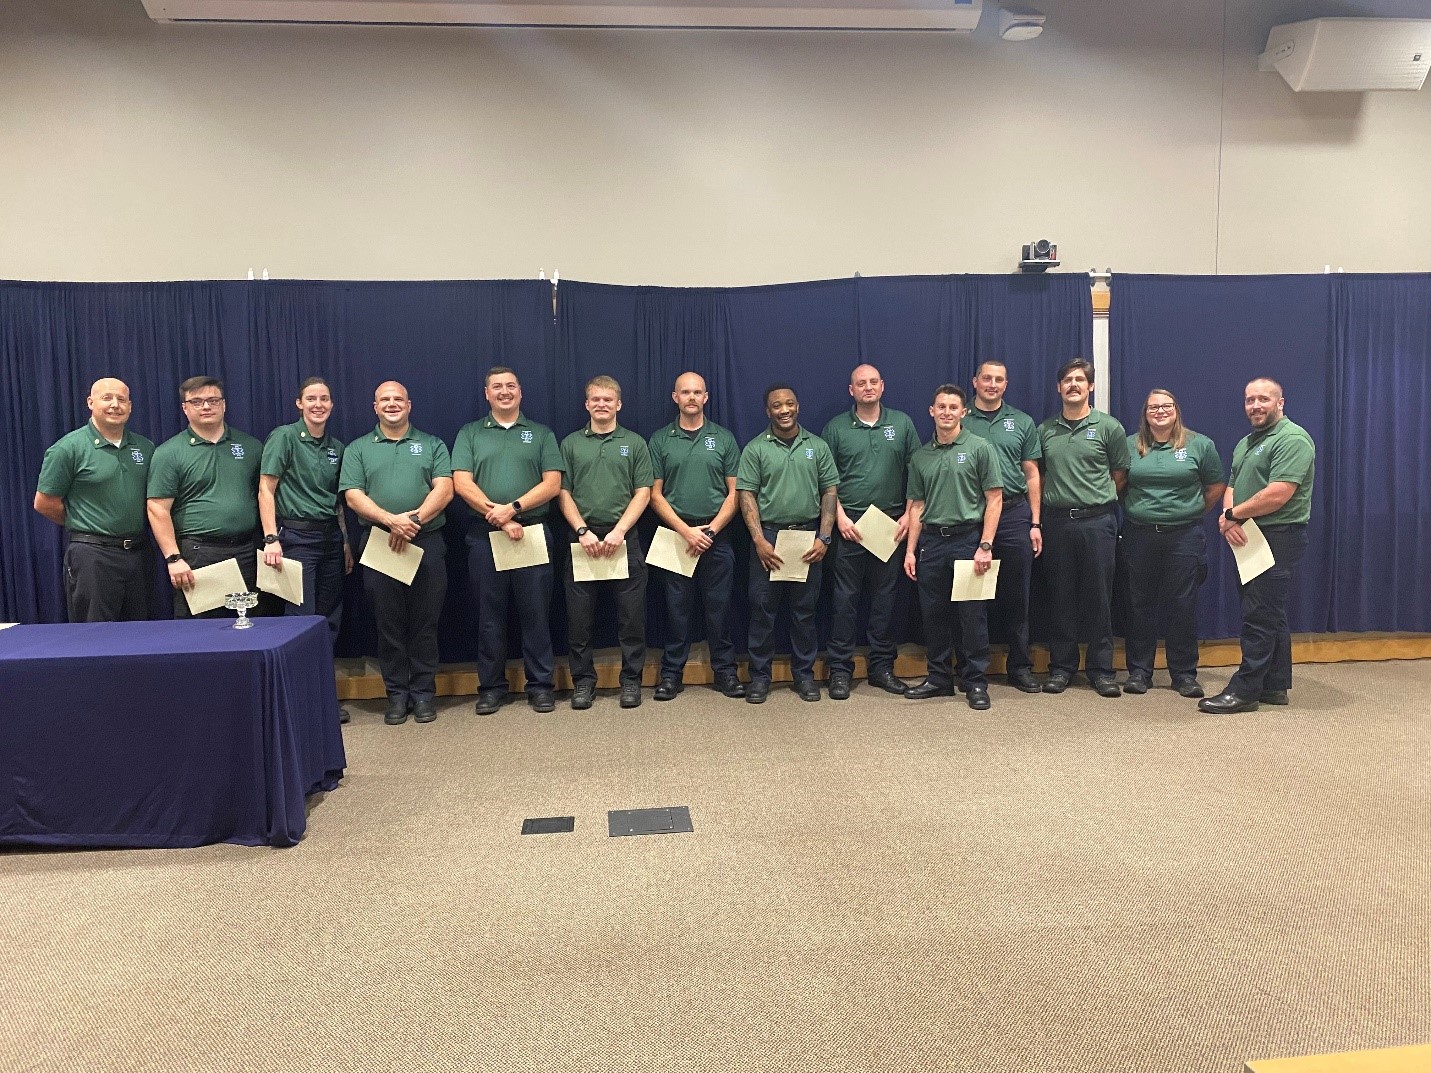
[[204, 404], [1162, 408]]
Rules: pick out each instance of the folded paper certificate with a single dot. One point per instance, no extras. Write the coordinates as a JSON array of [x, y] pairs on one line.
[[285, 580], [531, 550], [1254, 557], [877, 531], [971, 586], [608, 568], [790, 545], [212, 585], [398, 565], [669, 552]]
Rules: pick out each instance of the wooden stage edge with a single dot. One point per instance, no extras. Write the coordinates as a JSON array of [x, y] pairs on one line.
[[1392, 1060], [358, 679]]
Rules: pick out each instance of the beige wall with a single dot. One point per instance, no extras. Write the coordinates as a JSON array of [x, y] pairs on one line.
[[130, 150]]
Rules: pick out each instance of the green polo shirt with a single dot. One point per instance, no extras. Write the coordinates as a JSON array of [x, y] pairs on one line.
[[604, 471], [214, 486], [694, 467], [872, 460], [951, 478], [787, 478], [507, 463], [103, 486], [1078, 459], [1166, 485], [1015, 439], [1283, 452], [396, 474], [307, 471]]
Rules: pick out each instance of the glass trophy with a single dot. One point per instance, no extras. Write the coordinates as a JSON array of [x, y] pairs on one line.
[[241, 602]]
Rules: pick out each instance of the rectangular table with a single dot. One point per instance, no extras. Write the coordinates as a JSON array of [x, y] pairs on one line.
[[165, 734]]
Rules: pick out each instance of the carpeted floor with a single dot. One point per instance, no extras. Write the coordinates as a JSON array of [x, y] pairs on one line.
[[1062, 885]]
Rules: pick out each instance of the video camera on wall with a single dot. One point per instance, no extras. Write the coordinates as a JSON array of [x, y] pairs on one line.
[[1039, 256]]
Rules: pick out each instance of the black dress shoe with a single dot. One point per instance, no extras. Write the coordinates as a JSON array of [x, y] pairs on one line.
[[979, 698], [1274, 696], [425, 711], [1136, 684], [344, 716], [757, 691], [397, 711], [1024, 681], [1106, 686], [806, 689], [489, 700], [889, 683], [1187, 687], [1226, 704], [927, 689], [582, 695], [666, 689], [541, 700], [1057, 682], [631, 695], [840, 685], [729, 686]]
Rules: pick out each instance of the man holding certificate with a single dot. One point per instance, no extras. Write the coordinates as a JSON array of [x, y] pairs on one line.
[[956, 493], [872, 446], [787, 482], [399, 481], [508, 469], [604, 493], [694, 463], [1273, 467]]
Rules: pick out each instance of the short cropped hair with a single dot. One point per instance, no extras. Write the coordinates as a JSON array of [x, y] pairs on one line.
[[990, 361], [952, 389], [607, 382], [312, 381], [499, 370], [198, 383], [773, 388], [1071, 366]]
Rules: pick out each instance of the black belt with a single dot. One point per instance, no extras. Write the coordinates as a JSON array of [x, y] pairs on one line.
[[309, 525], [951, 530], [701, 522], [810, 526], [482, 525], [247, 541], [1014, 497], [133, 543], [1076, 513], [1162, 528]]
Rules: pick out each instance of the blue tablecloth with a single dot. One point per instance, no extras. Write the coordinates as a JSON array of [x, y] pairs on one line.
[[165, 733]]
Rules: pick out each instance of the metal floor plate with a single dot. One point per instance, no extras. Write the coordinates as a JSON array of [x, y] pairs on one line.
[[671, 820]]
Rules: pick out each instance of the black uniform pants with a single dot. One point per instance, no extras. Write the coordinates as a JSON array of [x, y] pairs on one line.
[[630, 596], [199, 552], [530, 589], [107, 584], [1165, 567], [1078, 557], [406, 618], [766, 599], [319, 550], [1014, 550], [951, 630], [1266, 639], [858, 573], [711, 587]]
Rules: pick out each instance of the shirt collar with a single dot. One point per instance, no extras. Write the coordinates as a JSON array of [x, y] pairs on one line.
[[880, 421], [195, 439], [378, 436], [101, 441], [307, 437], [989, 415], [677, 430], [587, 431], [492, 422], [963, 435], [800, 434]]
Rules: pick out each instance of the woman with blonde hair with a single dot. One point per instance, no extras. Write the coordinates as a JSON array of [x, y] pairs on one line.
[[1175, 477]]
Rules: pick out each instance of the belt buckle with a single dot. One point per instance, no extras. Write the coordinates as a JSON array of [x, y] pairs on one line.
[[128, 543], [1074, 513]]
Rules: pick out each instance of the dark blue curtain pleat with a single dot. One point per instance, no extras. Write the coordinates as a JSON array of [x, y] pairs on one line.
[[1374, 463], [1033, 323], [1203, 338]]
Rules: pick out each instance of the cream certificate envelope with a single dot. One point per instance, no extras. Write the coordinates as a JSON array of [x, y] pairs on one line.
[[212, 585], [1254, 557], [531, 550], [7, 625], [398, 565], [609, 568], [970, 586], [877, 531], [790, 544], [669, 552], [285, 581]]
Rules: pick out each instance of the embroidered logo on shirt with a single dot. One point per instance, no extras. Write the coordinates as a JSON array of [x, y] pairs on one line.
[[1010, 424], [710, 443], [1181, 454], [1259, 448], [1091, 434], [809, 452], [414, 448], [961, 458], [332, 457], [236, 450], [138, 456], [526, 435], [625, 451], [889, 433]]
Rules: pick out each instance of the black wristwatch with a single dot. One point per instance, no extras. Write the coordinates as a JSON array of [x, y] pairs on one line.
[[823, 539], [416, 519], [172, 559], [984, 545], [582, 532], [708, 531], [1228, 515], [270, 538], [1035, 525], [517, 506]]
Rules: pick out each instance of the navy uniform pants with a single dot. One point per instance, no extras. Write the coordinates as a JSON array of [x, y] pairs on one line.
[[711, 588], [318, 548], [1078, 557], [951, 630], [800, 601], [201, 551], [406, 617], [1266, 639], [630, 596], [496, 591], [857, 574], [1165, 566], [1014, 550], [108, 583]]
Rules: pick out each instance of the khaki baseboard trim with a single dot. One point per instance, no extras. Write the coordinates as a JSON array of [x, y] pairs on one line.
[[359, 679]]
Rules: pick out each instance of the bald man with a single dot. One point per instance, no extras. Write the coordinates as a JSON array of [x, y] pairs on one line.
[[1272, 471], [399, 481], [92, 482]]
